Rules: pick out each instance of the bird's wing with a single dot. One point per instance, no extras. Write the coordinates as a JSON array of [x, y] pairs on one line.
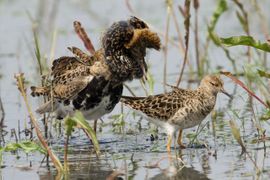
[[70, 76], [161, 106], [69, 90], [64, 65]]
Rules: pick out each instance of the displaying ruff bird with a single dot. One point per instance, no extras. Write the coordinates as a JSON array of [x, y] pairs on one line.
[[179, 109], [94, 84]]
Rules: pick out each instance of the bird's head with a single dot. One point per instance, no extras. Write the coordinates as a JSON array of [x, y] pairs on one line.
[[137, 23], [214, 84], [125, 44]]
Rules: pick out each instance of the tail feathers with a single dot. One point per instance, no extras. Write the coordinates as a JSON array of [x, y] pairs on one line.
[[47, 107], [85, 58], [39, 91]]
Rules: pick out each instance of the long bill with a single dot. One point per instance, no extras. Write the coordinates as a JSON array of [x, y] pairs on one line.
[[226, 93]]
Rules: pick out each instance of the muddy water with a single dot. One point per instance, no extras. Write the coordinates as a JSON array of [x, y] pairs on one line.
[[132, 152]]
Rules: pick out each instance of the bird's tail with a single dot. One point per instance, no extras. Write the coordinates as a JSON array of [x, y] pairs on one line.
[[49, 106]]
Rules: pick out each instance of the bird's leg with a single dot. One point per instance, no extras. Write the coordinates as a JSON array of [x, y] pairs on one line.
[[169, 143], [179, 140]]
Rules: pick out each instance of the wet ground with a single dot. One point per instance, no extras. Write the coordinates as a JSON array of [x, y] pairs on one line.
[[132, 153]]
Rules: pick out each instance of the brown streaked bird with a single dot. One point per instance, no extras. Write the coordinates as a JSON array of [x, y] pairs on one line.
[[94, 84], [179, 109]]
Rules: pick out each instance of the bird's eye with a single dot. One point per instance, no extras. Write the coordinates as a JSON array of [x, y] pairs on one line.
[[214, 84]]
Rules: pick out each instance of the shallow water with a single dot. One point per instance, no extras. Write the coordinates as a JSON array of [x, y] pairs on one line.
[[132, 151]]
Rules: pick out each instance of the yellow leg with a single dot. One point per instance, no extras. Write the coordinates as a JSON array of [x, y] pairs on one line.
[[169, 143], [179, 140]]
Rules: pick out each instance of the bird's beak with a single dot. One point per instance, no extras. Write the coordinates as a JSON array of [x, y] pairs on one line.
[[226, 93]]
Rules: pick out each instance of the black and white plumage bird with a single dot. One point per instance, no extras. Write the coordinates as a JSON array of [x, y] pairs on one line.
[[94, 84]]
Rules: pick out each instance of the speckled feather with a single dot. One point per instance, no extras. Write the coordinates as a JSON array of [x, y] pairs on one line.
[[182, 108], [114, 61], [82, 79]]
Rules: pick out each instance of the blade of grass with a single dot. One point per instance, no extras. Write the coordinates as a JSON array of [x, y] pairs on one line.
[[220, 9], [187, 25], [37, 52], [262, 19], [226, 51], [240, 83], [179, 36], [41, 68], [130, 90], [243, 19], [150, 82], [169, 12], [20, 84], [127, 2], [237, 136], [196, 6], [53, 45], [263, 73], [80, 120], [2, 114], [69, 127]]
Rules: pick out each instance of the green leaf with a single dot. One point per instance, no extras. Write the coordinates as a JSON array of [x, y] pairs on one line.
[[244, 41], [118, 122], [263, 73], [191, 136], [221, 8], [236, 135], [116, 116], [80, 120], [70, 124], [11, 147], [30, 146], [26, 146], [151, 82], [242, 21], [214, 37], [235, 113], [265, 116]]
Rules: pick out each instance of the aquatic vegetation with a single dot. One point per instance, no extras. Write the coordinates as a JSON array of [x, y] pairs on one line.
[[20, 84], [241, 40]]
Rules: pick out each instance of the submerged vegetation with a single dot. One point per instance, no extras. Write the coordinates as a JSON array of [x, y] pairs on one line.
[[241, 123]]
